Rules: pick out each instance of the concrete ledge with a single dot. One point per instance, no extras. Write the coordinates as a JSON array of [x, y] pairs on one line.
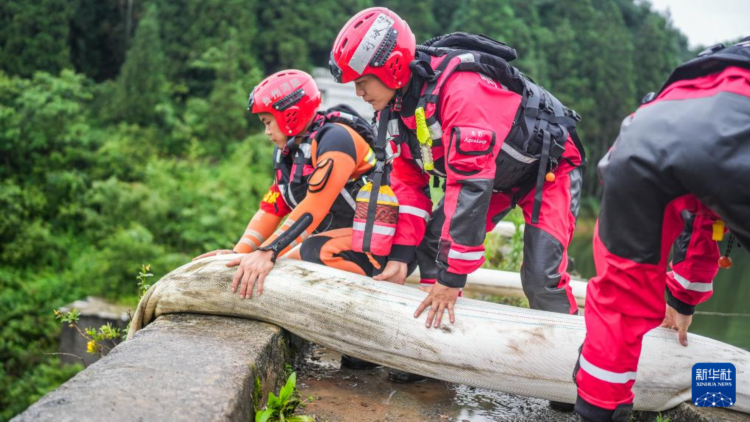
[[182, 367]]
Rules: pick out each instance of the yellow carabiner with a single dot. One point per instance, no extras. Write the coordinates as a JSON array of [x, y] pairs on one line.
[[424, 138]]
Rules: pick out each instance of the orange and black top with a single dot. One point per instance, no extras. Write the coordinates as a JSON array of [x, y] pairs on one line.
[[315, 183]]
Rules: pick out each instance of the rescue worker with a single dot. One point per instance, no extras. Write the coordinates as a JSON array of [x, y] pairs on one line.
[[458, 111], [319, 161], [680, 161], [497, 139]]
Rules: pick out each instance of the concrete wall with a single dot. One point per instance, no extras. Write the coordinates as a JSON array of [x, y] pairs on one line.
[[182, 367]]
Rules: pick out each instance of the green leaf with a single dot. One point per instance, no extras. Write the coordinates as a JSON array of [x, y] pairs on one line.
[[273, 401], [287, 391], [264, 415]]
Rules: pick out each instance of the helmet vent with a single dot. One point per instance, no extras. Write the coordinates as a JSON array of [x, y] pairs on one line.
[[385, 48], [289, 100]]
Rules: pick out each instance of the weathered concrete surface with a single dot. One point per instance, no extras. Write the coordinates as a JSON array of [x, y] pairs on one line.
[[686, 412], [95, 312], [182, 367], [342, 394]]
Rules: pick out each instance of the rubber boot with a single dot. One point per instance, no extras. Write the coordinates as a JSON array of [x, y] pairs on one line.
[[589, 413], [561, 406]]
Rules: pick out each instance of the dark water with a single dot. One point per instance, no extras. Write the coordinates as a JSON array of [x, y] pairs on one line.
[[725, 317]]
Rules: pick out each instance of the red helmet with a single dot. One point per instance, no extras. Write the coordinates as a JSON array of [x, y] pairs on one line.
[[376, 41], [292, 98]]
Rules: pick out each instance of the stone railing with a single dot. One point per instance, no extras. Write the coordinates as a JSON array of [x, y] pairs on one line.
[[182, 367]]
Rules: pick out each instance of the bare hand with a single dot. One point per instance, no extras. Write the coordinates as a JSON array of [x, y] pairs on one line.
[[678, 322], [440, 298], [394, 272], [253, 267], [212, 253]]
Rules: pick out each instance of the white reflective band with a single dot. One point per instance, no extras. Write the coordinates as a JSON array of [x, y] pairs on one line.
[[387, 231], [259, 215], [696, 287], [604, 375], [370, 43], [249, 242], [255, 234], [466, 58], [306, 149], [390, 154], [346, 116], [348, 197], [436, 130], [517, 155], [465, 256], [290, 197], [393, 127], [408, 209]]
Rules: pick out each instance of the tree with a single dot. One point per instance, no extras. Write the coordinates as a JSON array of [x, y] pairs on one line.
[[419, 14], [99, 35], [300, 34], [34, 36], [190, 28], [142, 84]]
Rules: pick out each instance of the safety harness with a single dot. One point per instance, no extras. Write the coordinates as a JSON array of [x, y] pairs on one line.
[[293, 165], [537, 139]]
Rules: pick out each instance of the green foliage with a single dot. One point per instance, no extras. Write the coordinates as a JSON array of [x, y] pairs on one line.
[[99, 340], [506, 253], [299, 34], [143, 284], [27, 332], [142, 85], [35, 36], [282, 407], [85, 202]]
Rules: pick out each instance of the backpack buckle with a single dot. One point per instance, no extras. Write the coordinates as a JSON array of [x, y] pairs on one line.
[[711, 50], [573, 114], [556, 150]]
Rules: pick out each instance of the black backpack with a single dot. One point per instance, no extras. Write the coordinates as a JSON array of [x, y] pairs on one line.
[[538, 137], [346, 115], [711, 60]]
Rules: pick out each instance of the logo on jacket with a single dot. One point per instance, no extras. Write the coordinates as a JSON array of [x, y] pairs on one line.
[[476, 137], [714, 384], [271, 197], [475, 141]]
